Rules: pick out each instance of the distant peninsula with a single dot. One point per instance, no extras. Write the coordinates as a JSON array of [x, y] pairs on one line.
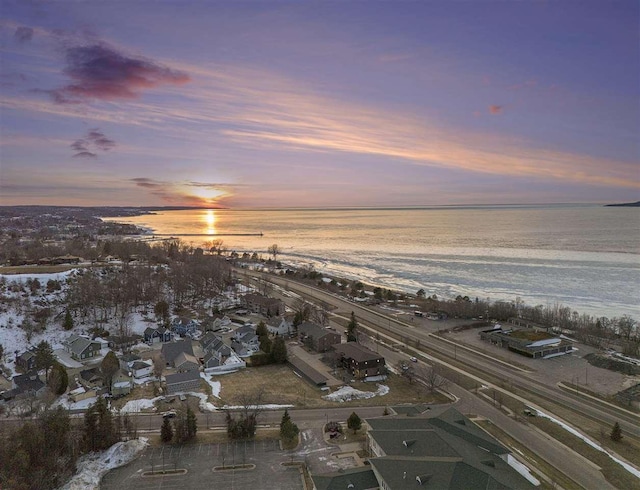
[[625, 204]]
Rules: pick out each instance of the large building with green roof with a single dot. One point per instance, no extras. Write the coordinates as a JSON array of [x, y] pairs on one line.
[[432, 448]]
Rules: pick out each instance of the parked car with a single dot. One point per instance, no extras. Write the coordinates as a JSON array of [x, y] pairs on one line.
[[169, 415], [413, 359]]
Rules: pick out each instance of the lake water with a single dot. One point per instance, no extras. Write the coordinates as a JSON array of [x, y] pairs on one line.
[[586, 257]]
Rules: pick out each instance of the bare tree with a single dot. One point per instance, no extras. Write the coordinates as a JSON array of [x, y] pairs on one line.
[[158, 365], [432, 378], [274, 251]]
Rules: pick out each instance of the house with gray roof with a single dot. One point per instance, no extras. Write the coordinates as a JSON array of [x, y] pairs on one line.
[[171, 350], [211, 342], [81, 347], [27, 360], [153, 335], [318, 338], [181, 382], [440, 449], [279, 325], [186, 362], [259, 303], [28, 384], [359, 361]]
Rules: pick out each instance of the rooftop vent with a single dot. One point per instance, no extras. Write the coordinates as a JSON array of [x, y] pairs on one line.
[[422, 479], [408, 443]]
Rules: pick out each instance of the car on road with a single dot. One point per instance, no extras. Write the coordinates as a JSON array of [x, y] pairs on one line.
[[169, 415], [413, 359]]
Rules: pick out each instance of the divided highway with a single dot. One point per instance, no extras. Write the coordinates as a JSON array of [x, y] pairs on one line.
[[474, 364]]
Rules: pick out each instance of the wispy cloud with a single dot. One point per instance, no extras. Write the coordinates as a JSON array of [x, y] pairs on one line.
[[23, 34], [494, 110], [91, 143], [234, 105], [98, 71], [185, 193]]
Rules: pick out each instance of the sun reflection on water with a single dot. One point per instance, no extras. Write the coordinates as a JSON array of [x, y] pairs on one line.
[[210, 220]]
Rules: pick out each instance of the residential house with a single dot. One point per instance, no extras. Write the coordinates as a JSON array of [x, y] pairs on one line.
[[186, 362], [182, 382], [280, 326], [171, 350], [141, 369], [81, 393], [28, 384], [257, 303], [440, 449], [153, 335], [121, 384], [241, 350], [81, 347], [91, 378], [215, 362], [27, 360], [211, 341], [216, 323], [359, 361], [219, 357], [123, 342], [185, 327], [316, 337], [127, 360], [240, 332]]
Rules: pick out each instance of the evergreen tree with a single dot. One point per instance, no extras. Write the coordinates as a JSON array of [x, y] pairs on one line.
[[166, 431], [279, 351], [285, 417], [67, 324], [263, 335], [354, 422], [289, 431], [109, 367], [192, 424], [352, 329], [616, 432], [44, 357], [99, 430], [59, 380]]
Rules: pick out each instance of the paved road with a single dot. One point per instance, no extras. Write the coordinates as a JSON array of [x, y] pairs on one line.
[[476, 363], [570, 463]]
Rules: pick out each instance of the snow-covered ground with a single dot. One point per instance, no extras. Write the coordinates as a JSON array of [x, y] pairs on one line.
[[92, 467], [268, 406], [347, 393], [631, 469], [216, 386], [16, 303], [64, 401], [135, 406], [522, 469]]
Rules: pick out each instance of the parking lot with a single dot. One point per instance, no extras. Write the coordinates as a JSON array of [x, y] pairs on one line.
[[200, 460]]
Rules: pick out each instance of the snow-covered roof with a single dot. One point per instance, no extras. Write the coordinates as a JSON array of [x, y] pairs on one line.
[[544, 342]]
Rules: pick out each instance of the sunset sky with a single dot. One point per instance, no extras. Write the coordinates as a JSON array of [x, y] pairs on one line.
[[343, 103]]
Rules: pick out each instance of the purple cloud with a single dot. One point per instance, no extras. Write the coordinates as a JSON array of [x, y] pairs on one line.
[[85, 154], [88, 146], [23, 34], [100, 72]]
